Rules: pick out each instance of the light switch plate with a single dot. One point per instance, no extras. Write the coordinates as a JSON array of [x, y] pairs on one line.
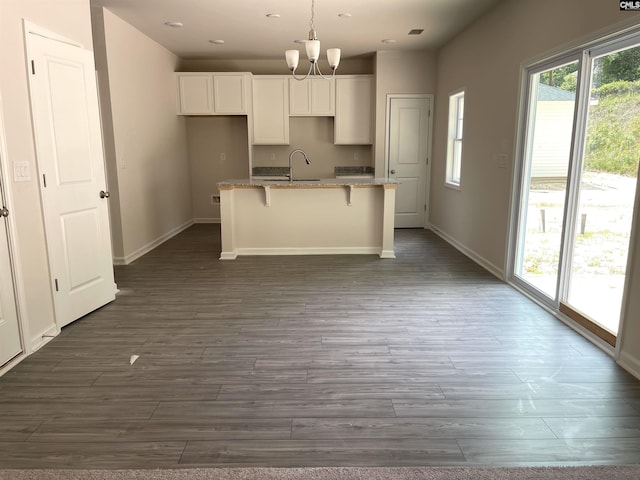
[[21, 172]]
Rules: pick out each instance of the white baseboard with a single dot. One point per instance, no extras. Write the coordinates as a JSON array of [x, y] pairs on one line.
[[44, 337], [387, 254], [126, 260], [479, 259], [228, 255], [206, 220], [310, 251], [630, 364]]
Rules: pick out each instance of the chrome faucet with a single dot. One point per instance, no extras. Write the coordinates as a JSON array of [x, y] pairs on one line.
[[306, 159]]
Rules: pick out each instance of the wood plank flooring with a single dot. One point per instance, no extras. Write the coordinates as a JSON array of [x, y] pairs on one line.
[[309, 361]]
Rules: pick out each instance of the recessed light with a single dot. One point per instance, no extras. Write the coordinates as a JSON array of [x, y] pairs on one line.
[[388, 41], [174, 24], [344, 15], [273, 15], [416, 31], [217, 42], [302, 42]]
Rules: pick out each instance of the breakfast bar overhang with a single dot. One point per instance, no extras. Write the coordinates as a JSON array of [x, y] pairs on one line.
[[307, 217]]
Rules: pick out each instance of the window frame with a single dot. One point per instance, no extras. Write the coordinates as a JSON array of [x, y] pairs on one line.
[[455, 139]]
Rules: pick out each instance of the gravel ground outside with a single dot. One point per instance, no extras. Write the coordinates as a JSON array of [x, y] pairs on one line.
[[601, 248]]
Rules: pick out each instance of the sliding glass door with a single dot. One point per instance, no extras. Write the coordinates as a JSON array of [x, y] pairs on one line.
[[547, 157], [577, 191]]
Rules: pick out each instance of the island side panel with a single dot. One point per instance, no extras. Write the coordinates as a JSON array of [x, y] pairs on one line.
[[308, 220], [227, 224], [388, 222]]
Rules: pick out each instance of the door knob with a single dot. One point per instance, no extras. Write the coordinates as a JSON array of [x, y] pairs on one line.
[[4, 212], [104, 194], [393, 172]]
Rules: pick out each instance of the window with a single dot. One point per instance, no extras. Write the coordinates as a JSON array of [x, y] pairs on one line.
[[454, 147]]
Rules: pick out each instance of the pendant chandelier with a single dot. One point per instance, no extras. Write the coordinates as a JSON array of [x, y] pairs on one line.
[[312, 46]]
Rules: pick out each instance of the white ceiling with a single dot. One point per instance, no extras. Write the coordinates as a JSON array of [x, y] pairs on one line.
[[249, 34]]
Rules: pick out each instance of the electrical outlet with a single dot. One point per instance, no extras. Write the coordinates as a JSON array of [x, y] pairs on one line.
[[356, 156], [501, 160], [272, 157]]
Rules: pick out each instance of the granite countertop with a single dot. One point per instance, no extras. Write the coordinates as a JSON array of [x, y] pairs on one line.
[[322, 182]]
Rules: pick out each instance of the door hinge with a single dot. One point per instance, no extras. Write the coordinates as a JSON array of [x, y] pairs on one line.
[[44, 180], [425, 207], [56, 282], [427, 160], [33, 67]]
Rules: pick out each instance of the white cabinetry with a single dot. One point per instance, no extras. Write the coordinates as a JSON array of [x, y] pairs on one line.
[[270, 110], [312, 97], [212, 93], [354, 98]]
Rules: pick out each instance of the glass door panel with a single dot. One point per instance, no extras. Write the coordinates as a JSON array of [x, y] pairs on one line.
[[551, 108], [607, 190]]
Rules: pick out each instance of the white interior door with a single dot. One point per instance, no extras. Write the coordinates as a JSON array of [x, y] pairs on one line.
[[64, 106], [408, 158], [10, 345]]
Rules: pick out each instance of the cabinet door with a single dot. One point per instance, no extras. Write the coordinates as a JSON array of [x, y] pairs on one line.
[[299, 97], [270, 111], [195, 94], [230, 93], [323, 97], [312, 97], [353, 121]]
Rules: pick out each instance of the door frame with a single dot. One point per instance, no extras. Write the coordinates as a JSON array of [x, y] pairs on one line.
[[387, 122], [14, 255]]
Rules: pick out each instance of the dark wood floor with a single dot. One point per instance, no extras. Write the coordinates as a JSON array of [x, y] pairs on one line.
[[305, 361]]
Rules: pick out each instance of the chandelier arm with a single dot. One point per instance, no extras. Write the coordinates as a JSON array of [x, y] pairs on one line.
[[305, 76], [317, 70]]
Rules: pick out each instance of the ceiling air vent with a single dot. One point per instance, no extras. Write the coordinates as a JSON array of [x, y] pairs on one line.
[[416, 31]]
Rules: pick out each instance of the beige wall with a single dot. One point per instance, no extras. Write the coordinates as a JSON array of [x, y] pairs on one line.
[[351, 66], [72, 22], [399, 72], [149, 150], [208, 138], [486, 61]]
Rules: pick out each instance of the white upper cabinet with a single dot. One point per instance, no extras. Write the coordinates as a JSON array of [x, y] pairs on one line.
[[212, 93], [312, 97], [354, 120], [195, 93], [270, 110]]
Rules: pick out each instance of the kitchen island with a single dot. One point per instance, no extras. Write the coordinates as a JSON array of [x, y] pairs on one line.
[[307, 217]]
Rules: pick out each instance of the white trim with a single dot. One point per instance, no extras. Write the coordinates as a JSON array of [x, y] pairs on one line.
[[229, 255], [387, 127], [630, 364], [452, 127], [307, 251], [33, 29], [44, 337], [127, 259], [479, 259], [14, 246], [12, 363], [206, 220]]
